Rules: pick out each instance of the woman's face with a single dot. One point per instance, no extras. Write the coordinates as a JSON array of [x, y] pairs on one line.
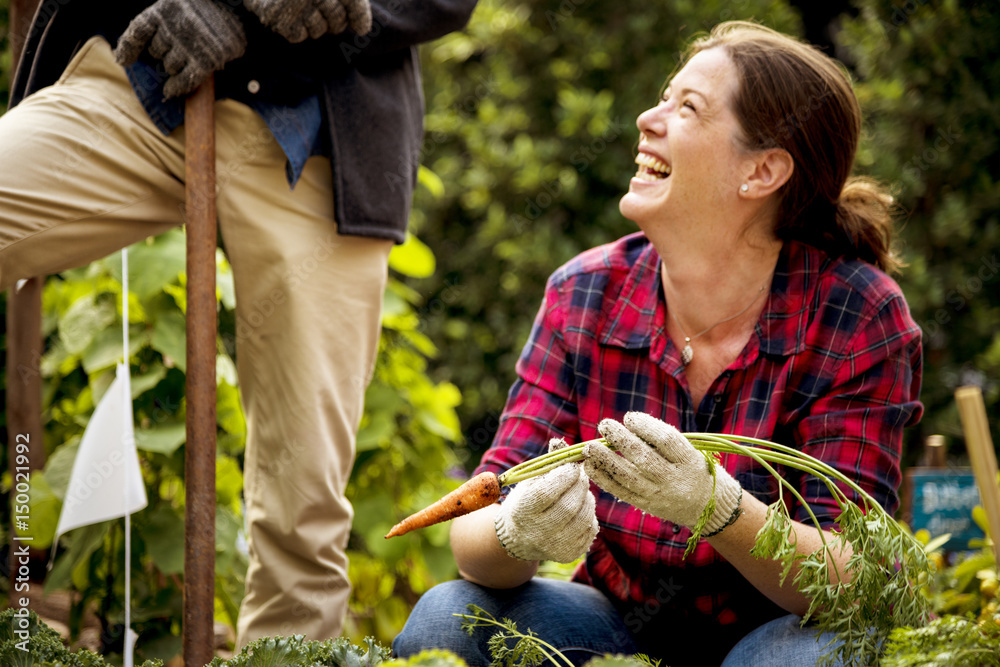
[[689, 159]]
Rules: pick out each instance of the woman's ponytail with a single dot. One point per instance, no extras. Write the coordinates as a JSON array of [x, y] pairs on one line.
[[864, 219]]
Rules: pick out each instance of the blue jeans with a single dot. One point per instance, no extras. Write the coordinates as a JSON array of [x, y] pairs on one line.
[[580, 622]]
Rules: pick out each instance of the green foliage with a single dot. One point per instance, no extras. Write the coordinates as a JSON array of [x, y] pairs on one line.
[[963, 595], [25, 641], [295, 651], [510, 647], [928, 75], [430, 658], [531, 126], [965, 582], [948, 641], [82, 323]]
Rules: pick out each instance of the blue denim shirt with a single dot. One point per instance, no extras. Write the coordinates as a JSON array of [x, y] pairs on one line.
[[298, 129]]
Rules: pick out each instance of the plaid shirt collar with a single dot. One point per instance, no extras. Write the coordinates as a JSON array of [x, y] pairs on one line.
[[637, 320]]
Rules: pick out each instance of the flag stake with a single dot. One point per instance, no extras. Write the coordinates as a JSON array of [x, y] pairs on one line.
[[199, 458]]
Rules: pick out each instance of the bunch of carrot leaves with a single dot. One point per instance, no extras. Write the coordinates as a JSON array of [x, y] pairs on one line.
[[510, 647], [879, 589]]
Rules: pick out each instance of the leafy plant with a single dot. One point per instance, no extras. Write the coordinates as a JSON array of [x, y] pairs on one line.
[[430, 658], [947, 641], [511, 647], [964, 595], [82, 325], [964, 582], [26, 641], [296, 651]]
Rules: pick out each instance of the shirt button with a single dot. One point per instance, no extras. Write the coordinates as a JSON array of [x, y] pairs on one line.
[[253, 86], [676, 529], [717, 397]]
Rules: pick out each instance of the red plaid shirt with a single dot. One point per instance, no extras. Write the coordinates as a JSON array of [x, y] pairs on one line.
[[833, 369]]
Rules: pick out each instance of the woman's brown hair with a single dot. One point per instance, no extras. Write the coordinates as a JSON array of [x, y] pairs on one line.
[[793, 96]]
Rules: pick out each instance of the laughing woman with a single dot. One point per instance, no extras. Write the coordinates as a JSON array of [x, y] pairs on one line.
[[754, 300]]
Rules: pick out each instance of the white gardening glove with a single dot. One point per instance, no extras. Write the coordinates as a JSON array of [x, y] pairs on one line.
[[549, 517], [661, 473]]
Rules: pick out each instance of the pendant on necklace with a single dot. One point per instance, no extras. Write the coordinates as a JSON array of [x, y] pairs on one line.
[[687, 354]]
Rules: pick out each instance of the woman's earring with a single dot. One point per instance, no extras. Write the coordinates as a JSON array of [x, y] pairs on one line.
[[744, 188]]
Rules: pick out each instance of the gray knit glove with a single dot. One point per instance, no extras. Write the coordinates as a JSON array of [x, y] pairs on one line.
[[660, 472], [193, 38], [549, 517], [297, 19]]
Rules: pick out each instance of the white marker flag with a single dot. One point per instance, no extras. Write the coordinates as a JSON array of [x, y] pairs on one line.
[[106, 482]]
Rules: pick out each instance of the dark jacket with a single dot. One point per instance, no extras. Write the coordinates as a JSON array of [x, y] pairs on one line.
[[369, 87]]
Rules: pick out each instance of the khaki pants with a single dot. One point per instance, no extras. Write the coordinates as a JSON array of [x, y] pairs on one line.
[[84, 172]]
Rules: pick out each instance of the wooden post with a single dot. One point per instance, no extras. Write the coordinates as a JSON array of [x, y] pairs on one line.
[[199, 459], [935, 452], [978, 441], [24, 324], [933, 456]]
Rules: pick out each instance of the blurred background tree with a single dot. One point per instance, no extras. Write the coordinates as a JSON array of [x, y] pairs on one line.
[[929, 79], [529, 145]]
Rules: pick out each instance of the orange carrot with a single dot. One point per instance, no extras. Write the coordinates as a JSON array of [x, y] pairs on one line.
[[480, 491]]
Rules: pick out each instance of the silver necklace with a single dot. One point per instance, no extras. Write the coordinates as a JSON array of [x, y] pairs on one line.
[[687, 354]]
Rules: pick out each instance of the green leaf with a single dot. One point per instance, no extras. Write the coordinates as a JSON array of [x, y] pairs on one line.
[[228, 526], [105, 350], [59, 467], [156, 262], [170, 338], [84, 541], [228, 482], [83, 320], [412, 258], [225, 370], [143, 382], [224, 283], [162, 439], [937, 542], [163, 533], [228, 410], [375, 434], [431, 181]]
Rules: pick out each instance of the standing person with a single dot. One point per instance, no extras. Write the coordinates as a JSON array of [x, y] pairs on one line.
[[754, 301], [318, 133]]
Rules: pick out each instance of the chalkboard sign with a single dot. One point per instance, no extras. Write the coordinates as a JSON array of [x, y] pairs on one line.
[[942, 502]]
